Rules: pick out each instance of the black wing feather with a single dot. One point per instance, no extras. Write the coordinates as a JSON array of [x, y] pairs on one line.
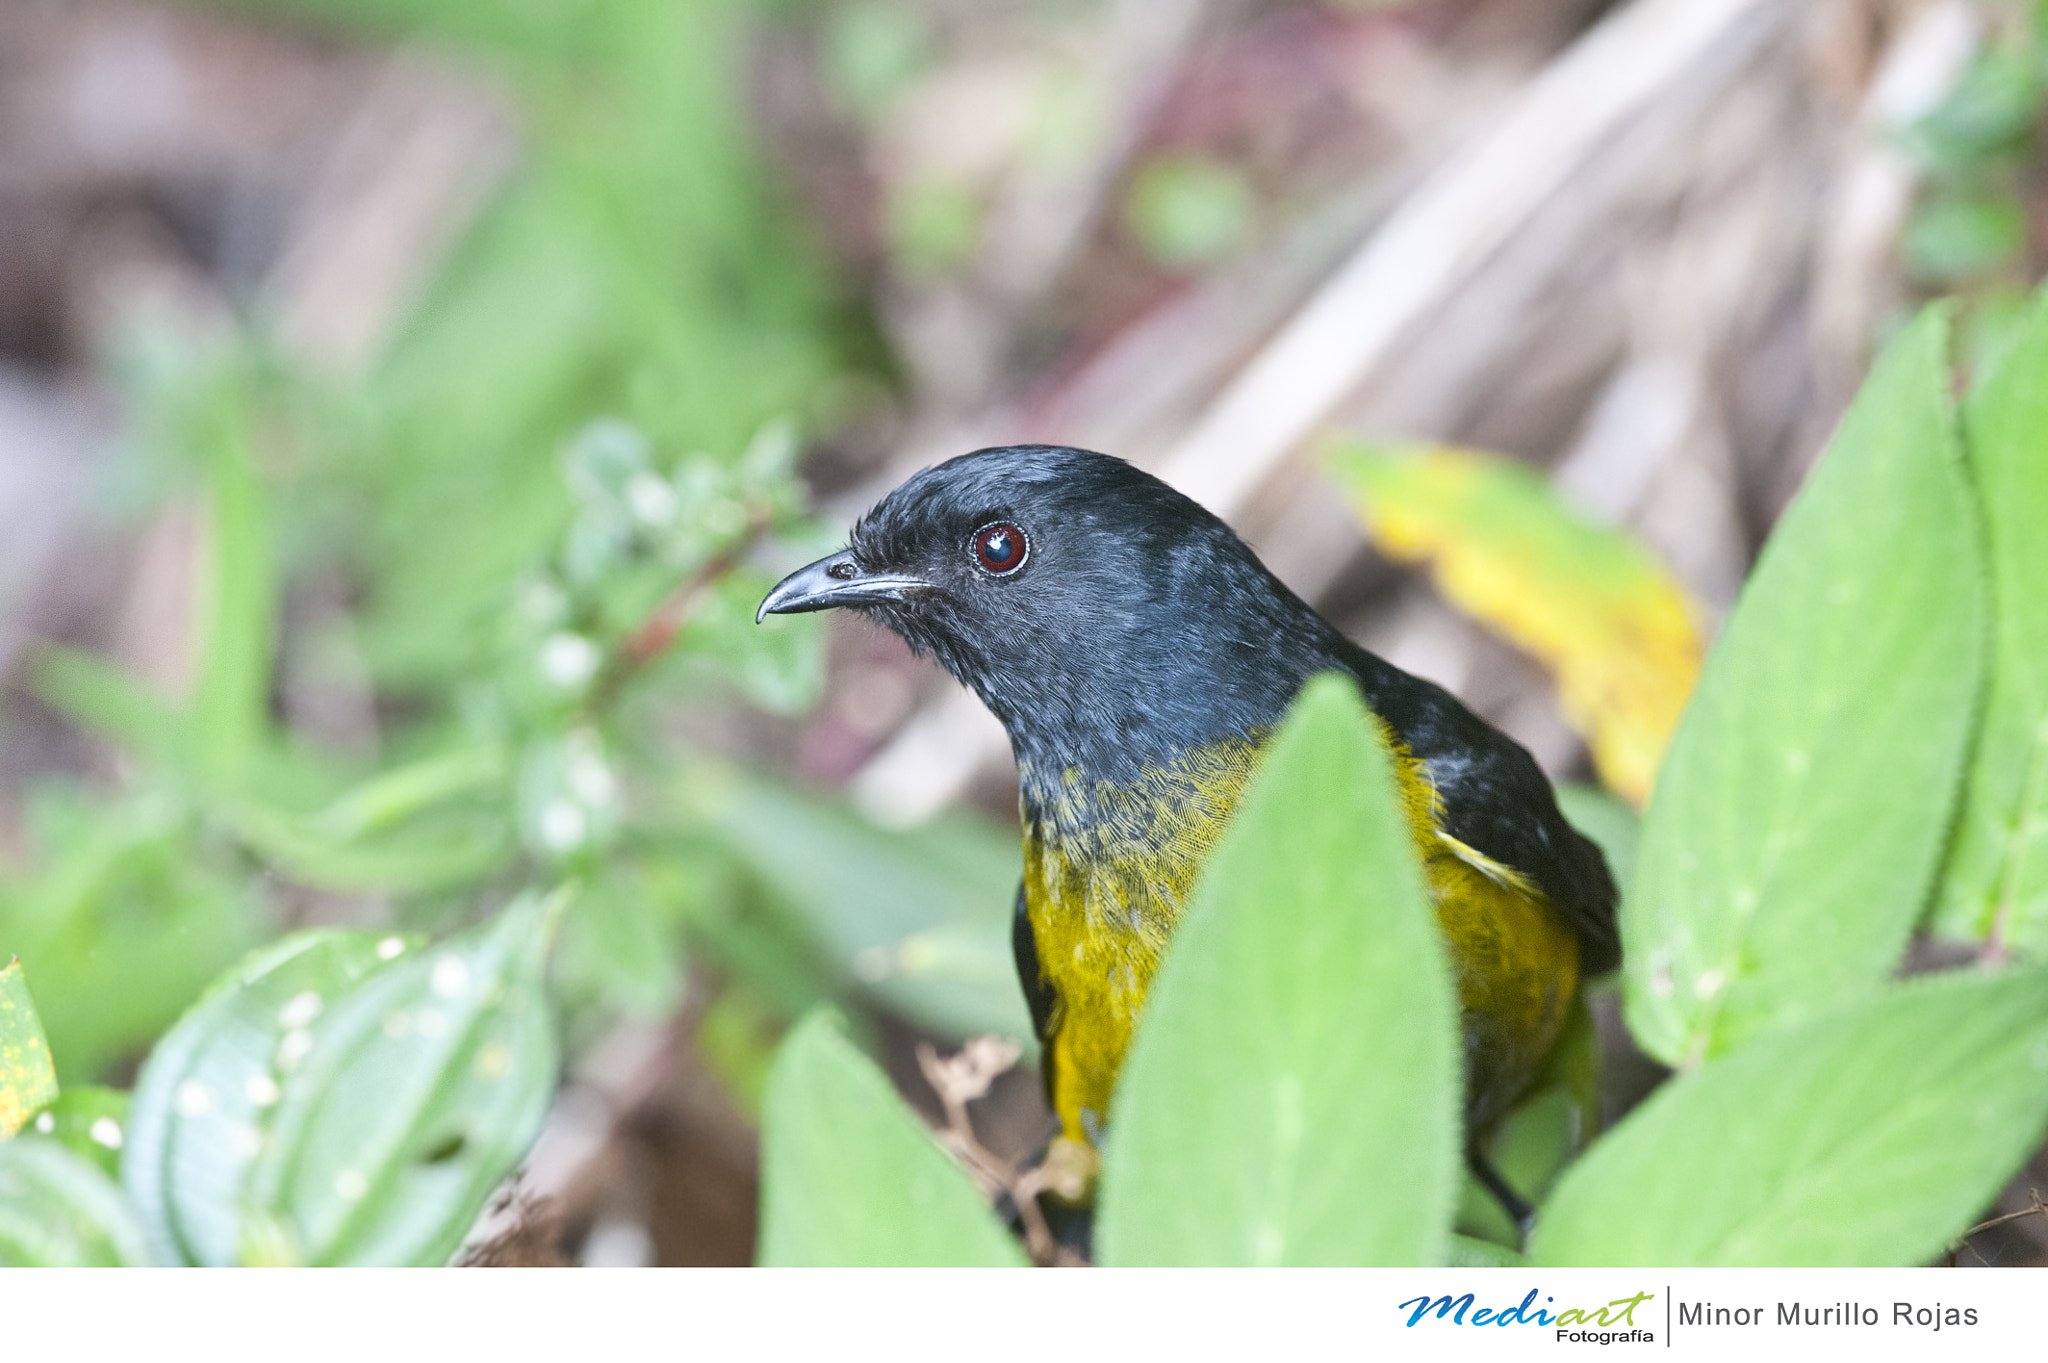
[[1497, 800]]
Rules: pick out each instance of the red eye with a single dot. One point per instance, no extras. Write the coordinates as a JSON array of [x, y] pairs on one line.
[[1000, 548]]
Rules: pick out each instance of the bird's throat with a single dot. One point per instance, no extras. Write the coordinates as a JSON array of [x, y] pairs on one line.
[[1108, 868]]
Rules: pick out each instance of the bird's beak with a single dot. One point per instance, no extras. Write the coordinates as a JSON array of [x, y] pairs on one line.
[[835, 580]]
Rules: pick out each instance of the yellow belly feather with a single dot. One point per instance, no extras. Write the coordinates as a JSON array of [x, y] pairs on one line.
[[1107, 870]]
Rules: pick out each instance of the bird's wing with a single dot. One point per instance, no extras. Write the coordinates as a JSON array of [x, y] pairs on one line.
[[1494, 800]]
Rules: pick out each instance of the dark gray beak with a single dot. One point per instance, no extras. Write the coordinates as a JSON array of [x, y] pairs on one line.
[[835, 580]]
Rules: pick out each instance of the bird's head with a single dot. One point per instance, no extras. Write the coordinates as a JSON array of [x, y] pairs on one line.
[[1082, 598]]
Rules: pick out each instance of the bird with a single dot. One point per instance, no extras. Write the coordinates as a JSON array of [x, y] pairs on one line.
[[1139, 655]]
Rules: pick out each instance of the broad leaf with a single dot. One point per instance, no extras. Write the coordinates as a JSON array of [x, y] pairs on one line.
[[1869, 1137], [411, 1097], [850, 1177], [1590, 602], [28, 1080], [58, 1210], [1292, 1094], [209, 1090], [1996, 887], [1467, 1252], [1807, 792]]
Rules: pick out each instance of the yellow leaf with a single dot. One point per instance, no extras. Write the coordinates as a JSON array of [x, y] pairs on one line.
[[1619, 634], [28, 1081]]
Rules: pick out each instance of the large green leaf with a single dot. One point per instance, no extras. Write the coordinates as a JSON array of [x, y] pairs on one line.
[[921, 920], [28, 1080], [411, 1097], [206, 1096], [1997, 881], [850, 1177], [1868, 1137], [58, 1210], [1796, 823], [1292, 1095]]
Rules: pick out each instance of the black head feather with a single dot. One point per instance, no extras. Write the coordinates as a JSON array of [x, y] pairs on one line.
[[1140, 625]]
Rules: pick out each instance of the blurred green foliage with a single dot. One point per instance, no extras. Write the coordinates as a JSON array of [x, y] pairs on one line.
[[551, 505], [1971, 232], [1188, 211]]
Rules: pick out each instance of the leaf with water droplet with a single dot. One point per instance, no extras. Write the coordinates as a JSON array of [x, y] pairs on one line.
[[28, 1081], [59, 1210], [203, 1101], [90, 1121], [422, 1086]]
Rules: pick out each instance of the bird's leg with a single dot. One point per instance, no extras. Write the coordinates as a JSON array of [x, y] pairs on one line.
[[1519, 1211]]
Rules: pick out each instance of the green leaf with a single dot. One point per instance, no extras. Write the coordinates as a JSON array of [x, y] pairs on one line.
[[451, 849], [125, 924], [91, 1122], [1996, 886], [920, 920], [209, 1090], [1796, 823], [850, 1177], [231, 698], [1869, 1137], [1292, 1095], [28, 1079], [1467, 1252], [412, 1097], [623, 944], [391, 797], [58, 1210], [106, 699]]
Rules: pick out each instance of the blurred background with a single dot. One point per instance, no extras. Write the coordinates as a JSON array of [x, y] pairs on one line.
[[403, 404]]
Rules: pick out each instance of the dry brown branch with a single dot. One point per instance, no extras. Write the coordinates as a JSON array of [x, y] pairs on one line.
[[960, 1079], [1452, 224], [1957, 1245]]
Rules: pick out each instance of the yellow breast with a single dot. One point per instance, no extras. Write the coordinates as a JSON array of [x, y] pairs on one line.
[[1108, 868]]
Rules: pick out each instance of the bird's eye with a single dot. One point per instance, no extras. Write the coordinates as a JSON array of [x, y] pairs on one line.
[[999, 548]]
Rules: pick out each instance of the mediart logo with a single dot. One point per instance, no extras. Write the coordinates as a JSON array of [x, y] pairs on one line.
[[1613, 1323]]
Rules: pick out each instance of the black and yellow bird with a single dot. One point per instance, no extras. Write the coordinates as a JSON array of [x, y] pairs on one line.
[[1139, 655]]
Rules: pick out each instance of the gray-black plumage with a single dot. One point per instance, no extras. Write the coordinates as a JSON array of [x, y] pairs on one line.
[[1139, 625]]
